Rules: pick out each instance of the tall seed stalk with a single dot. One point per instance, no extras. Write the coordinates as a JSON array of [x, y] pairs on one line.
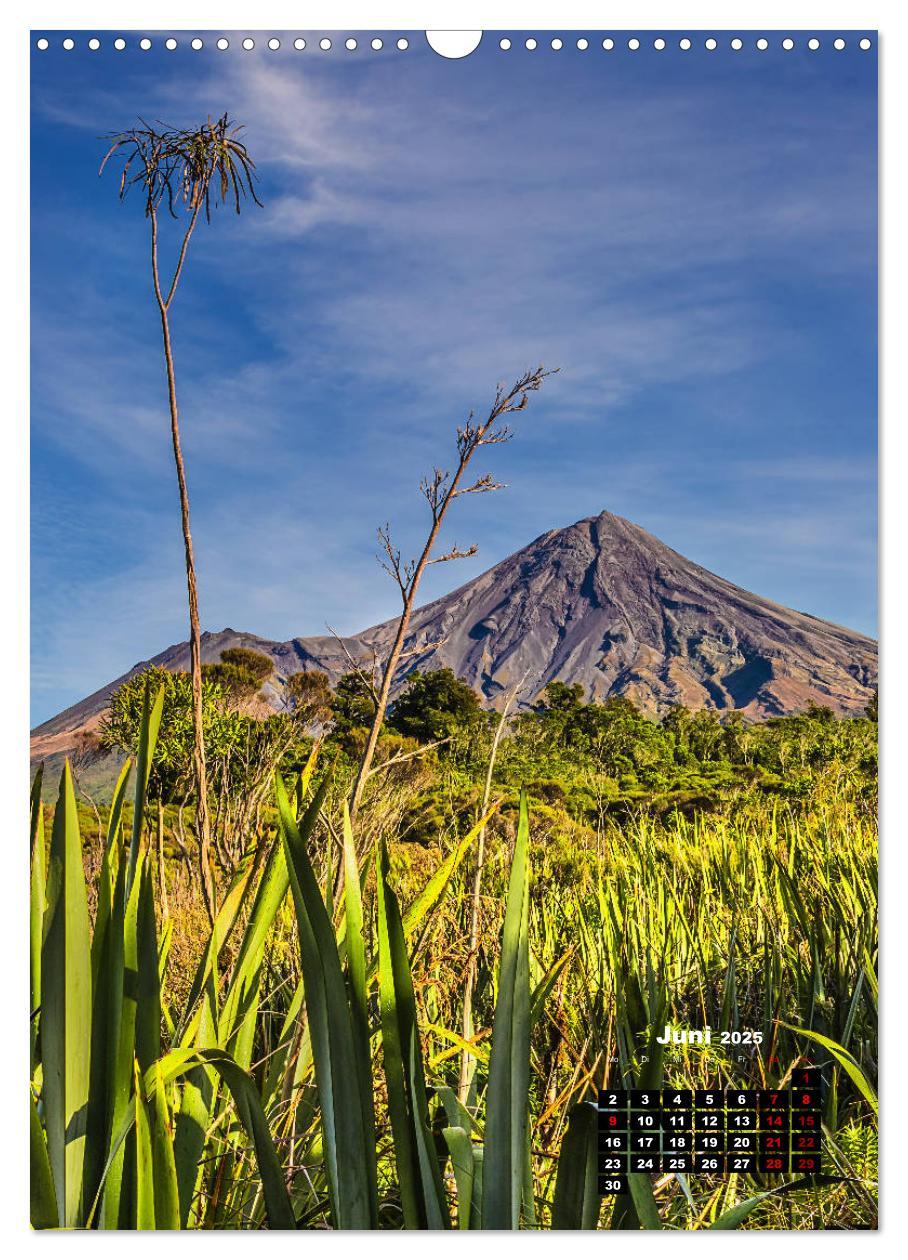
[[192, 168], [440, 491]]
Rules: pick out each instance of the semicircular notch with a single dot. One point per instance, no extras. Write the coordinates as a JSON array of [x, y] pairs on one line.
[[453, 44]]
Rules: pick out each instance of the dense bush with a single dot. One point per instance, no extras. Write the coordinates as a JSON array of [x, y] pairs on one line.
[[589, 764]]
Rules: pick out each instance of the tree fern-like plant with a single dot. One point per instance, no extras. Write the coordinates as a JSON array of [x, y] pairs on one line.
[[186, 172]]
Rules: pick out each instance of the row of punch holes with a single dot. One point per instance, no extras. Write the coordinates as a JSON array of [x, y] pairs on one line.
[[531, 44], [223, 43]]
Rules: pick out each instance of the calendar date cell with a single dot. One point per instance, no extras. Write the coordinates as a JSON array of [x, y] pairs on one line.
[[743, 1162], [645, 1163], [774, 1121], [643, 1099], [777, 1164], [740, 1142], [645, 1141], [773, 1142], [677, 1099], [677, 1142], [676, 1163], [677, 1120], [645, 1120], [774, 1099], [736, 1098]]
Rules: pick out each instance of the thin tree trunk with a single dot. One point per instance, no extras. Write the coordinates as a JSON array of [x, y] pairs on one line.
[[203, 828], [469, 439], [391, 665]]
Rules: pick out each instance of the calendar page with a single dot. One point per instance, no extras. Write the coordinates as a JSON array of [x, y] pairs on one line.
[[453, 596]]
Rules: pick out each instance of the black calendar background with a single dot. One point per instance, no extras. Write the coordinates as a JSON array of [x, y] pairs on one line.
[[773, 1132]]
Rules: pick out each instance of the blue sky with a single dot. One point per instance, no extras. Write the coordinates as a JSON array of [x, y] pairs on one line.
[[690, 237]]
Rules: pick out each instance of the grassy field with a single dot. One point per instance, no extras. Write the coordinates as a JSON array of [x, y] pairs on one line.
[[307, 1061]]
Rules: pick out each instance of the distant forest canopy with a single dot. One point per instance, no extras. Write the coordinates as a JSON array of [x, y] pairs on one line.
[[586, 760]]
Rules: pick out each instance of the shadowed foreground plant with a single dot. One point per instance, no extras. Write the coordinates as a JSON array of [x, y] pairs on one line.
[[103, 1139]]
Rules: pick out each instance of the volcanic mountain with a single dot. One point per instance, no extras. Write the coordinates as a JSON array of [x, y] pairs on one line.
[[601, 603]]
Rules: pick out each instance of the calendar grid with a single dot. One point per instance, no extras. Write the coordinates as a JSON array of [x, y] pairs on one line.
[[771, 1132]]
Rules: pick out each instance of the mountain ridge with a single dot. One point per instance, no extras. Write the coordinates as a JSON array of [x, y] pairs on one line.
[[602, 602]]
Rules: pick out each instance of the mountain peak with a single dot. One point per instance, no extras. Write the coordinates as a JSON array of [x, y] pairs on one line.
[[603, 603]]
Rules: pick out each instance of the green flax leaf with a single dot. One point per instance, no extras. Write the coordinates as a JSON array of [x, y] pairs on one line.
[[43, 1196], [66, 1007], [419, 1176], [576, 1202], [507, 1099], [346, 1131]]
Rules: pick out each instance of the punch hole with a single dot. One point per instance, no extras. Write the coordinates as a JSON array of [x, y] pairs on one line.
[[737, 44], [69, 44], [223, 44], [324, 44], [145, 44], [119, 44], [274, 44], [94, 44], [196, 44], [531, 44], [249, 44], [42, 45], [865, 44], [299, 44], [453, 44], [504, 44], [170, 44], [813, 44], [608, 44], [557, 45], [838, 44], [685, 44], [583, 44], [377, 44], [788, 44], [762, 44], [403, 44], [350, 45], [659, 44], [712, 44], [633, 44]]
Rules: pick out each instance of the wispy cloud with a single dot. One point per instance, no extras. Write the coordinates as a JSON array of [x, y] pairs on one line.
[[693, 252]]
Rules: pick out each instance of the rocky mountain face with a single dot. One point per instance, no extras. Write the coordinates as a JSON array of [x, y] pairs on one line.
[[601, 603]]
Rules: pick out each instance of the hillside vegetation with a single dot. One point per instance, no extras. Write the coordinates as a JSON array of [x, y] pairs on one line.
[[344, 1046]]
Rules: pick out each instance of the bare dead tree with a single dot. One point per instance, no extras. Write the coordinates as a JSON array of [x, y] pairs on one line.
[[440, 490], [191, 170]]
